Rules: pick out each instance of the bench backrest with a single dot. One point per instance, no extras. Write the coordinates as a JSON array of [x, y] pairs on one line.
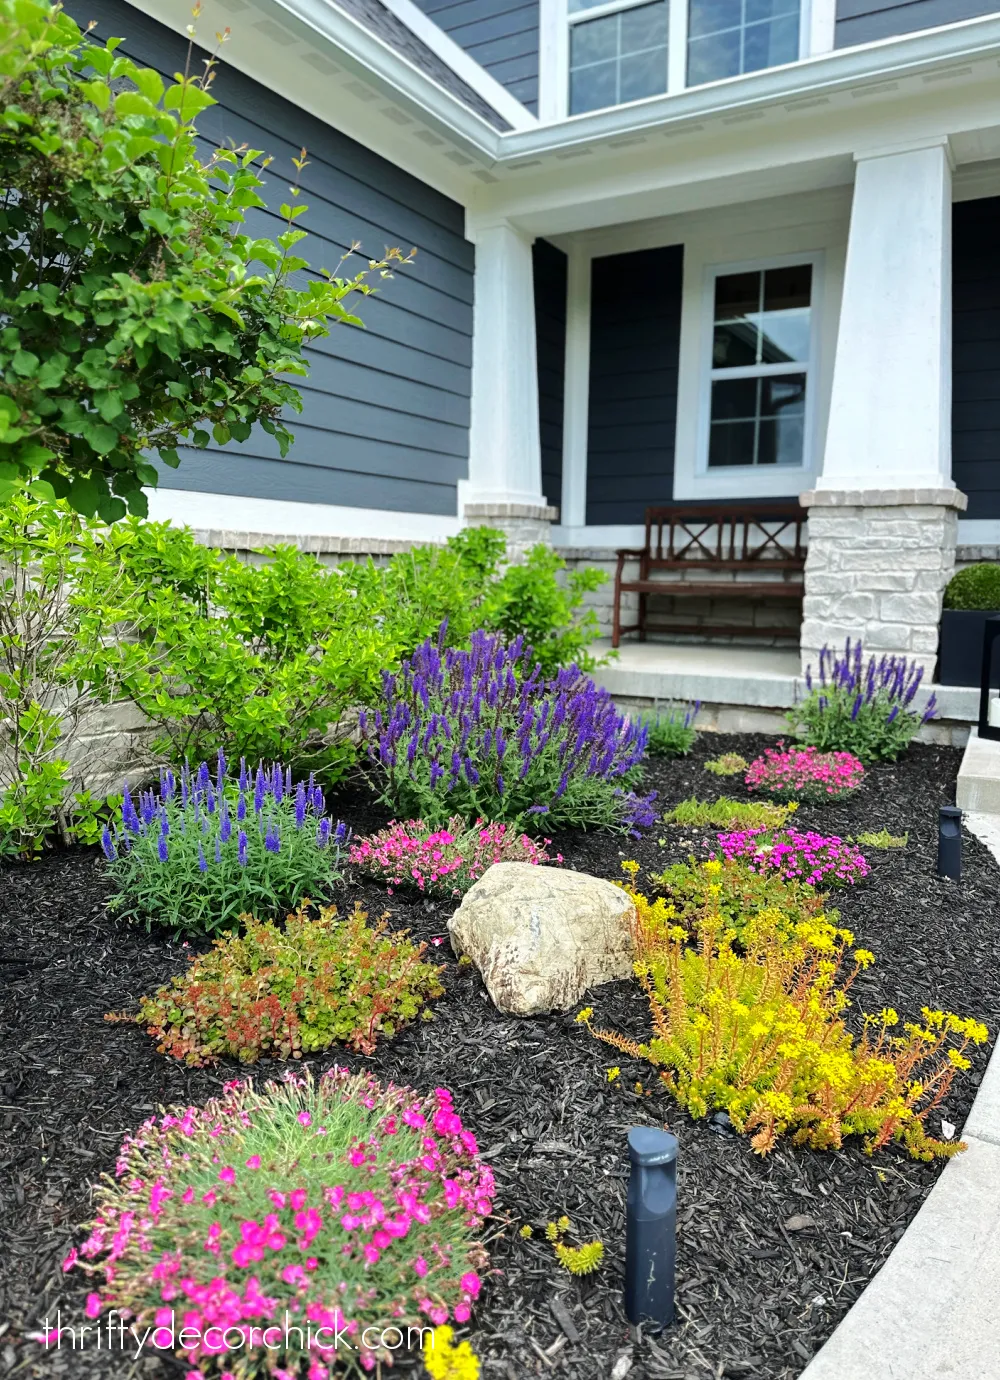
[[725, 536]]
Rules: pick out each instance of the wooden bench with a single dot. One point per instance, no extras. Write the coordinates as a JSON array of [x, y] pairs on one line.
[[738, 540]]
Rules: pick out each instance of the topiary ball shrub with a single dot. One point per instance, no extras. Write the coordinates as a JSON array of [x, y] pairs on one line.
[[316, 1222], [293, 990], [975, 587], [205, 849], [443, 862], [483, 734], [805, 774]]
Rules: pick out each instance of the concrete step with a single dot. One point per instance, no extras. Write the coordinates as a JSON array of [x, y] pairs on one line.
[[978, 787]]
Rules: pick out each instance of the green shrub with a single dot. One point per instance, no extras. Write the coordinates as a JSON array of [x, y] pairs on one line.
[[729, 814], [138, 314], [312, 1209], [881, 838], [201, 851], [729, 764], [671, 732], [319, 981], [530, 600], [975, 587]]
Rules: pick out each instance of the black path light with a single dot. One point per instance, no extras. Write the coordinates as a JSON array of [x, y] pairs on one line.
[[651, 1226], [949, 862]]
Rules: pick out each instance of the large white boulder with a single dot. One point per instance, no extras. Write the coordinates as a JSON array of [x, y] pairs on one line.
[[540, 936]]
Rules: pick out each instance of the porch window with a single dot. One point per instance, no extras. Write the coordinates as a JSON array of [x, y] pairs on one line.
[[617, 52], [729, 37], [761, 335]]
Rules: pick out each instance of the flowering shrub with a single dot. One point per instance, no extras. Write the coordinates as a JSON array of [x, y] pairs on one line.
[[201, 851], [671, 731], [810, 857], [292, 991], [805, 774], [443, 862], [738, 892], [763, 1037], [482, 734], [861, 707], [725, 813], [342, 1208]]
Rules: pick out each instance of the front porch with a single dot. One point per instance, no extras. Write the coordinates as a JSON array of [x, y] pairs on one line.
[[746, 689]]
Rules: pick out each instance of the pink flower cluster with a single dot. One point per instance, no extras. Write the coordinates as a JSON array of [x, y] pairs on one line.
[[805, 774], [360, 1204], [446, 861], [804, 857]]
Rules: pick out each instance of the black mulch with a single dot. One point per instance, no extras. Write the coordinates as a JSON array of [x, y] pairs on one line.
[[772, 1252]]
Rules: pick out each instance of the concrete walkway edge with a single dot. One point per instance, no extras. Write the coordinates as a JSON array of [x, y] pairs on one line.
[[933, 1310]]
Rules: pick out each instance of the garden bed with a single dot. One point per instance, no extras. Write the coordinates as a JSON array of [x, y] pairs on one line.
[[771, 1253]]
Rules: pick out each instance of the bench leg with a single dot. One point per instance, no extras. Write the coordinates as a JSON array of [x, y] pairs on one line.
[[616, 617], [642, 617]]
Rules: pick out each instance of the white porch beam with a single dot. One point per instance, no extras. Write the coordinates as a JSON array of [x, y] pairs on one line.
[[890, 405], [505, 459]]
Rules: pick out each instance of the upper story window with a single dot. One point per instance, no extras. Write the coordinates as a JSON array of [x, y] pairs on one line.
[[728, 37], [624, 50], [617, 52]]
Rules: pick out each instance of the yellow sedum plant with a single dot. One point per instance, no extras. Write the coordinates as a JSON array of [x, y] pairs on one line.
[[444, 1360], [762, 1035], [726, 813]]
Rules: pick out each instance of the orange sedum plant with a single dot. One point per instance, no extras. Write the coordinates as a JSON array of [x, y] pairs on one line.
[[291, 991], [762, 1035]]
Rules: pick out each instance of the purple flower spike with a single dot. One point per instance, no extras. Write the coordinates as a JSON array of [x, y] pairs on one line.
[[323, 833], [340, 833], [300, 805], [161, 849], [259, 790], [241, 808], [225, 823], [244, 777], [202, 864], [241, 847], [108, 845], [272, 842], [218, 849]]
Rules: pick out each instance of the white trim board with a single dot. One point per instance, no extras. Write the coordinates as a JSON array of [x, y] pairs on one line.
[[231, 512]]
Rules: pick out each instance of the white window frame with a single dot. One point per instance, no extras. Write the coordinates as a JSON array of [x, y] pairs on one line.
[[816, 19], [754, 481]]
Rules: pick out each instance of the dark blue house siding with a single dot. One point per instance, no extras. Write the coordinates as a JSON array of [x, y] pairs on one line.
[[635, 329], [550, 335], [502, 36], [975, 414], [386, 410], [863, 21]]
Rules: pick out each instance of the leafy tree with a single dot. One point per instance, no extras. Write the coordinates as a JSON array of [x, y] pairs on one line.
[[138, 314]]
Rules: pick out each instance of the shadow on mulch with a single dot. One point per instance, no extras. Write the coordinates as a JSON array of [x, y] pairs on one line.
[[757, 1292]]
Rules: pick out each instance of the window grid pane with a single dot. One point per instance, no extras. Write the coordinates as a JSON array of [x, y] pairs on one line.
[[618, 57], [729, 37], [761, 321]]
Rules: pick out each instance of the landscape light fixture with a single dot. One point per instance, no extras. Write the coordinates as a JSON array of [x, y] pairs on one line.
[[949, 862], [651, 1226]]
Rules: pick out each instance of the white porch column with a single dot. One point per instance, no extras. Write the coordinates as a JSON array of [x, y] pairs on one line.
[[883, 514], [504, 488]]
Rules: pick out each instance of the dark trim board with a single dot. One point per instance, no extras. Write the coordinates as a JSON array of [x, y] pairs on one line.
[[550, 335], [386, 410], [975, 408]]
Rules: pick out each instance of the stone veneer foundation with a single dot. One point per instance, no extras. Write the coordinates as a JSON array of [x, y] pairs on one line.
[[877, 564], [523, 524]]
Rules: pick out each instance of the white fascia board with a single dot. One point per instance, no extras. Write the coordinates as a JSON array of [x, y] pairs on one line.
[[827, 73], [387, 67], [464, 66]]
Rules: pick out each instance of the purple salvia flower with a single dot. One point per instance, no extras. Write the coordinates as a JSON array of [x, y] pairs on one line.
[[323, 832], [259, 790], [129, 817], [241, 847], [340, 833], [202, 864], [318, 803], [161, 849], [244, 777], [300, 805], [108, 845], [241, 808], [225, 823], [218, 849], [272, 842]]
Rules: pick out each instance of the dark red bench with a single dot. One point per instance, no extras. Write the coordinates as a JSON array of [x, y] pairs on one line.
[[742, 540]]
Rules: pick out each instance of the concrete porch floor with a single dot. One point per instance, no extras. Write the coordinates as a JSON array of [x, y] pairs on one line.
[[745, 689]]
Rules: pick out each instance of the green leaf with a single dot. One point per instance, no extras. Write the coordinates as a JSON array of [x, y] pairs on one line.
[[109, 405], [169, 456], [133, 103], [187, 99], [25, 363], [84, 495], [157, 219], [150, 83]]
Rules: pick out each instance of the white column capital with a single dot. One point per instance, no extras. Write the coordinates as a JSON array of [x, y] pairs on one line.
[[930, 141]]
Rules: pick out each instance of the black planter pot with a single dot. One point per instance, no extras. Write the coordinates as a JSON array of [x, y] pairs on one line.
[[961, 654]]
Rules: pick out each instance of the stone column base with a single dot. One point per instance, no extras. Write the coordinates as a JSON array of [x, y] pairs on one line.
[[523, 524], [876, 567]]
